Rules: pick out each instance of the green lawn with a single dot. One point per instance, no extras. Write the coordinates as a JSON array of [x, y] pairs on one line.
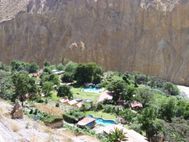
[[78, 93], [101, 114]]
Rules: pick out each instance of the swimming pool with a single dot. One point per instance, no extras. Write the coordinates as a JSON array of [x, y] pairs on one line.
[[93, 90], [101, 121]]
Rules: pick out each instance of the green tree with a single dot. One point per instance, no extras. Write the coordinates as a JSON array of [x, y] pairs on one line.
[[60, 67], [6, 85], [144, 95], [128, 115], [171, 89], [23, 85], [51, 78], [71, 67], [17, 65], [47, 87], [33, 68], [54, 79], [46, 64], [67, 77], [64, 91], [168, 109], [119, 89], [149, 122], [88, 73]]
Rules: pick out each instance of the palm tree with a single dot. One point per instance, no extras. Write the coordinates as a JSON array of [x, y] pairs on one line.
[[116, 136]]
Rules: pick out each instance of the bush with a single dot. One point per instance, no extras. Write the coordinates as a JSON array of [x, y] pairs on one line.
[[60, 67], [67, 77], [112, 109], [23, 66], [54, 79], [171, 89], [128, 115], [6, 85], [47, 88], [144, 95], [73, 116], [33, 68], [141, 78], [64, 91], [168, 109], [71, 67]]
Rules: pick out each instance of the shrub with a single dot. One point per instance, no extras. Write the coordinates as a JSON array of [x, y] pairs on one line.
[[33, 68], [171, 89], [168, 109], [112, 109], [60, 67], [128, 115], [64, 91], [47, 87], [23, 66], [141, 78], [6, 85], [144, 95], [73, 116], [54, 79], [67, 77]]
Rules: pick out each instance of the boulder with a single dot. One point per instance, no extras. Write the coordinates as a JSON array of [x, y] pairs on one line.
[[17, 112]]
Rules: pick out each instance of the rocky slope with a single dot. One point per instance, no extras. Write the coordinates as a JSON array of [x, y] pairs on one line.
[[28, 130], [149, 36]]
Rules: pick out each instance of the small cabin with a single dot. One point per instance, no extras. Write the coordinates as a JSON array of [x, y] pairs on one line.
[[87, 122]]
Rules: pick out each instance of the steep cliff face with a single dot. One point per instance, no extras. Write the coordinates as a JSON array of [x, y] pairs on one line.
[[149, 36]]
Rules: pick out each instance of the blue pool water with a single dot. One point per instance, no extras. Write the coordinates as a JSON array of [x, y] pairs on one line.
[[104, 122], [92, 89]]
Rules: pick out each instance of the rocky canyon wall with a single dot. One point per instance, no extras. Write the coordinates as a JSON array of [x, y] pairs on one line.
[[148, 36]]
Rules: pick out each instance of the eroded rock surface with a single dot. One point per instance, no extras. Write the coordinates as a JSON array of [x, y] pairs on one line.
[[149, 36]]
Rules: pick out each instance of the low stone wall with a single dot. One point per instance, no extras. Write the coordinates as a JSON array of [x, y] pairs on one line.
[[55, 124]]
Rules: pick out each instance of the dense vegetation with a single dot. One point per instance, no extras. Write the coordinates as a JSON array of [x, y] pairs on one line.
[[164, 113]]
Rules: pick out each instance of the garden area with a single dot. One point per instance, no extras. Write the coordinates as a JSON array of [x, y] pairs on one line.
[[68, 94]]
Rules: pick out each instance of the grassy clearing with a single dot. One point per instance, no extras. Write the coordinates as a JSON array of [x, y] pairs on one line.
[[78, 93], [101, 114]]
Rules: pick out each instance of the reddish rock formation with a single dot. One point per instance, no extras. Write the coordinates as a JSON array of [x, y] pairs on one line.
[[149, 36]]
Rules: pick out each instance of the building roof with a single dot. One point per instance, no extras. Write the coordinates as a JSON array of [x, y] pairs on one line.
[[136, 104], [85, 121], [79, 105], [105, 96], [64, 100], [72, 102]]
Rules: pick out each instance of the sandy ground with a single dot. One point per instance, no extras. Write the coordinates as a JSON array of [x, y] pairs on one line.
[[184, 91], [27, 130]]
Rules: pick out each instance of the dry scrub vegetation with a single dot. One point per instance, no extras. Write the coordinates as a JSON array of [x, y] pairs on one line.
[[49, 109]]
